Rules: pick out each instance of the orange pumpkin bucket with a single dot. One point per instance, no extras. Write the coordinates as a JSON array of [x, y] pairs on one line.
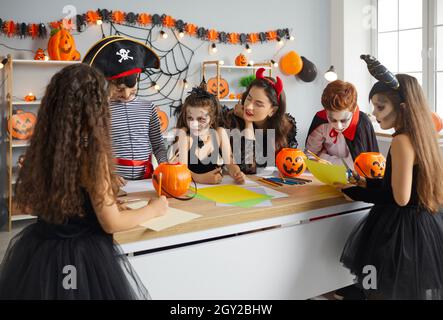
[[176, 180], [370, 165], [291, 162], [21, 125]]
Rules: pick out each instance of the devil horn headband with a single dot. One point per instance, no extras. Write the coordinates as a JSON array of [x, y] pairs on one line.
[[380, 72], [278, 86]]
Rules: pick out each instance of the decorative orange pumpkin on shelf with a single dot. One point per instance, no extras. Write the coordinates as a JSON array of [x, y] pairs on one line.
[[232, 96], [21, 125], [290, 162], [176, 179], [241, 60], [239, 96], [61, 46], [438, 122], [40, 54], [164, 120], [223, 88], [370, 165], [30, 97]]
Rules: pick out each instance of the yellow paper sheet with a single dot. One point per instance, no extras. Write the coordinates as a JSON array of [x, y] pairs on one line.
[[229, 194], [172, 218], [327, 173]]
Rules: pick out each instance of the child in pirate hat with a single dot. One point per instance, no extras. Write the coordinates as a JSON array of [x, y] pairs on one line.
[[135, 126]]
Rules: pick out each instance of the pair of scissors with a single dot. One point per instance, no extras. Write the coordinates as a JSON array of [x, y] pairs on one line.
[[349, 171]]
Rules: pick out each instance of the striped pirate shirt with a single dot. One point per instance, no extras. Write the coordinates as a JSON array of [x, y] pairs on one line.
[[135, 133]]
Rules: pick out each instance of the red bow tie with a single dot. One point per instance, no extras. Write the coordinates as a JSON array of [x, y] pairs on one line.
[[333, 134]]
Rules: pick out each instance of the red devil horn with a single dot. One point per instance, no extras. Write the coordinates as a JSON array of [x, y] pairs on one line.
[[279, 87], [260, 73]]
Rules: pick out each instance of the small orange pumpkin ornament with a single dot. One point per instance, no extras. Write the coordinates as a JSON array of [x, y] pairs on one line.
[[176, 179], [92, 17], [33, 30], [168, 21], [30, 97], [241, 60], [232, 96], [164, 120], [118, 16], [233, 38], [40, 54], [212, 35], [191, 29], [61, 46], [21, 125], [271, 35], [239, 96], [370, 165], [144, 19], [223, 89], [253, 37], [438, 122], [290, 162]]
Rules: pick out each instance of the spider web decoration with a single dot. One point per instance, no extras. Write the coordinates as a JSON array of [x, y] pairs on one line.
[[174, 66]]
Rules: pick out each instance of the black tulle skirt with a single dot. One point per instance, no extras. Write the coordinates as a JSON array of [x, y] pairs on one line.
[[404, 245], [77, 261]]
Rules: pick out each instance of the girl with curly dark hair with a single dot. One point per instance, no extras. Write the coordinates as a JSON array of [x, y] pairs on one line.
[[67, 181]]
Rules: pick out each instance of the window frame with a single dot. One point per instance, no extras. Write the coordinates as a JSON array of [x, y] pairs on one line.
[[429, 41]]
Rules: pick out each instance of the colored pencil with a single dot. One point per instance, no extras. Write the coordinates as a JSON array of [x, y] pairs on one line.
[[271, 183], [160, 184]]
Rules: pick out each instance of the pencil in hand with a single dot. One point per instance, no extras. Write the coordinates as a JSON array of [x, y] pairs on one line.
[[160, 176]]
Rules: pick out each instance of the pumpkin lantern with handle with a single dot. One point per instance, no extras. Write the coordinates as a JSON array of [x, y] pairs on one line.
[[61, 46], [176, 179], [21, 125], [370, 165], [223, 88], [290, 162]]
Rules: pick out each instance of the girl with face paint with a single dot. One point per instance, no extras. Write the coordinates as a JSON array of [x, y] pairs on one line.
[[201, 143], [401, 237], [341, 131]]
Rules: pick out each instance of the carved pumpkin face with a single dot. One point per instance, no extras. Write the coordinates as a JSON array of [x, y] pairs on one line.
[[290, 162], [176, 179], [21, 125], [164, 120], [223, 88], [370, 165], [241, 60], [61, 46]]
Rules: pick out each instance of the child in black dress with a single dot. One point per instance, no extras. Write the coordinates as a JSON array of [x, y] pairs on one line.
[[401, 240], [202, 144], [67, 182]]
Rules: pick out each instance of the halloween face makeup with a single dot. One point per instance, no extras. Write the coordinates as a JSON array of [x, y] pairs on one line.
[[257, 106], [340, 120], [198, 120], [122, 92], [384, 111]]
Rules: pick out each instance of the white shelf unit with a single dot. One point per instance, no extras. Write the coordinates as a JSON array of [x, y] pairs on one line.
[[234, 74], [22, 77]]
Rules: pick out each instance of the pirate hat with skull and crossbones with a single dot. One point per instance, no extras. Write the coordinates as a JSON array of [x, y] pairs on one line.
[[118, 57]]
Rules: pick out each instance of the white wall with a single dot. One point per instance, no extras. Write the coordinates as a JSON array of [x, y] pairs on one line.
[[309, 20], [351, 35]]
